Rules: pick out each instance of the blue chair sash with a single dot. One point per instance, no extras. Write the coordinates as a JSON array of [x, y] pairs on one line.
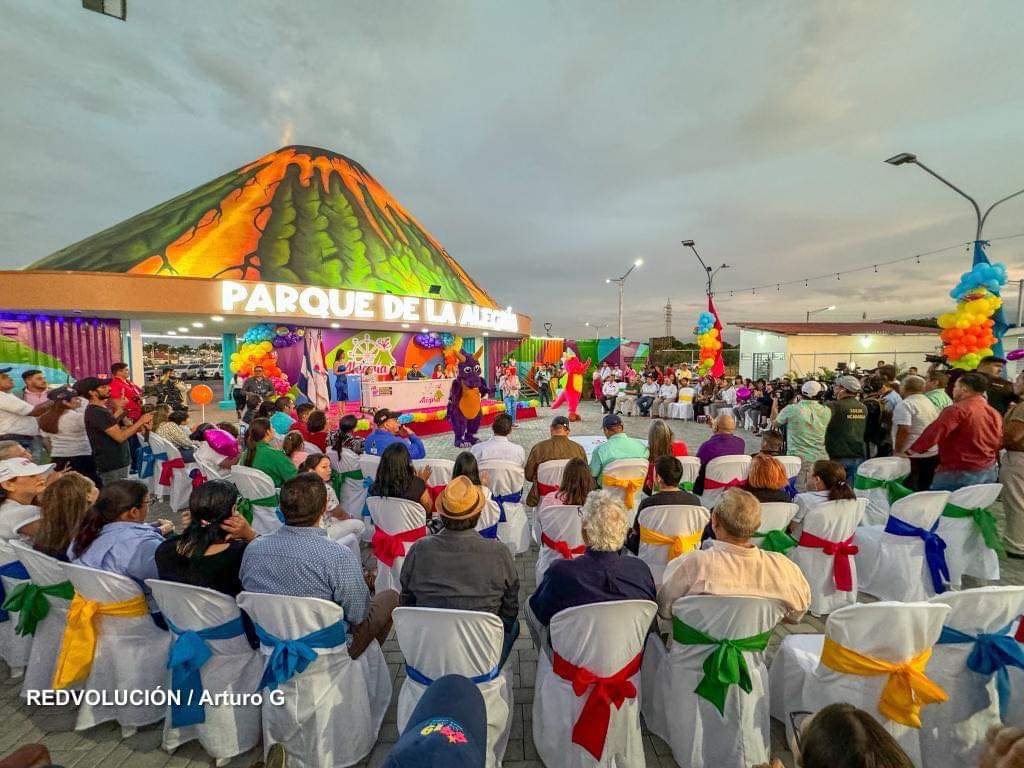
[[934, 549], [367, 482], [188, 653], [790, 488], [416, 676], [12, 570], [291, 657], [991, 655], [146, 461], [508, 498]]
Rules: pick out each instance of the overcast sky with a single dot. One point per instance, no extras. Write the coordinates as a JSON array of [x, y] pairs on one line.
[[550, 144]]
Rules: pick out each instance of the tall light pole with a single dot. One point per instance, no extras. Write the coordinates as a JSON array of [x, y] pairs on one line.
[[621, 281], [710, 273], [597, 328], [810, 312], [907, 158]]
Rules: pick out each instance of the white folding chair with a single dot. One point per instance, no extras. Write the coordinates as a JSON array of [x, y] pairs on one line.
[[722, 473], [775, 516], [181, 481], [256, 485], [398, 524], [598, 643], [867, 485], [892, 633], [505, 479], [561, 536], [438, 642], [208, 461], [792, 465], [824, 553], [683, 407], [953, 732], [354, 488], [334, 707], [234, 668], [131, 652], [625, 479], [896, 567], [15, 649], [691, 469], [667, 528], [700, 734], [967, 548], [46, 572]]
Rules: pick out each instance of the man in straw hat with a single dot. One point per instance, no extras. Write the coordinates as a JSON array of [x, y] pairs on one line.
[[459, 569]]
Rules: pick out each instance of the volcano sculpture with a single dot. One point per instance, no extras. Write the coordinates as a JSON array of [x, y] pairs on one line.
[[298, 215]]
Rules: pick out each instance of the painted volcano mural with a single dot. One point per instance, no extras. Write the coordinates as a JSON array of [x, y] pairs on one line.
[[298, 215]]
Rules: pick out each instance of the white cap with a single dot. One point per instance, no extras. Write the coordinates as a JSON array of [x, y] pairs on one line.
[[811, 388], [11, 468]]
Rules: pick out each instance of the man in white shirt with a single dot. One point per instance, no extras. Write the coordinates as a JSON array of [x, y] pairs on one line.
[[648, 392], [606, 371], [609, 393], [17, 418], [911, 416], [499, 447], [667, 393]]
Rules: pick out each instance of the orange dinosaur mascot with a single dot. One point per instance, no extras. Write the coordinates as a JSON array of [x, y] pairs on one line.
[[574, 371]]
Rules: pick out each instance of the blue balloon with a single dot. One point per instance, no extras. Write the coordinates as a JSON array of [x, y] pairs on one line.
[[405, 418]]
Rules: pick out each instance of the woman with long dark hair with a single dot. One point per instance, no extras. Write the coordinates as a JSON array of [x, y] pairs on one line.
[[345, 437], [63, 425], [260, 454], [397, 478], [208, 553], [828, 483], [64, 505], [843, 736], [114, 535], [577, 483]]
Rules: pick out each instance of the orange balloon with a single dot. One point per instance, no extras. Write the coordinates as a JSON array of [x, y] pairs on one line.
[[201, 394]]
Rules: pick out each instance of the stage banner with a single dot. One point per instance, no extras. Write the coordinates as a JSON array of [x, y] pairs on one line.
[[423, 395]]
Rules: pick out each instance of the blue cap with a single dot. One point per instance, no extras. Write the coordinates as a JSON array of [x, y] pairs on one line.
[[447, 729], [611, 420]]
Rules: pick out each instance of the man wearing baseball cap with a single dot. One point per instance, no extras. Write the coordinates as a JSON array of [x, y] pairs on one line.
[[806, 422], [108, 439], [21, 481], [844, 440], [558, 446], [387, 430], [618, 446], [447, 728], [460, 569], [17, 417]]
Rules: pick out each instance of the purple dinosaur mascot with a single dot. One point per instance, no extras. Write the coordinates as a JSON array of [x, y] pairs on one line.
[[465, 408]]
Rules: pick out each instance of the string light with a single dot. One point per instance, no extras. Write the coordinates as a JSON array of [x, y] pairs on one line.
[[876, 269]]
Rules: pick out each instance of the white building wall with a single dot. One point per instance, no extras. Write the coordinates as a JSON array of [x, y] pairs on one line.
[[757, 342]]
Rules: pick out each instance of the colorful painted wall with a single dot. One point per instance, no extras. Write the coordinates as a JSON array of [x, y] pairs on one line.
[[63, 348]]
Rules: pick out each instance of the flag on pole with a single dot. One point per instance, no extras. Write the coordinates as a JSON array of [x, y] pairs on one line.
[[313, 371], [719, 367]]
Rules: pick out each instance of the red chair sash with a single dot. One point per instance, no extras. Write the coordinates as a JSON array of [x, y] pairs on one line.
[[435, 491], [544, 489], [562, 547], [389, 546], [710, 485], [167, 470], [840, 552], [591, 728]]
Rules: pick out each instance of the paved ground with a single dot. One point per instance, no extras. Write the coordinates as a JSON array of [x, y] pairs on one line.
[[103, 746]]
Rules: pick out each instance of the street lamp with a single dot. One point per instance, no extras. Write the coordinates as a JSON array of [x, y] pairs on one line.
[[621, 281], [710, 273], [597, 328], [907, 158], [810, 312]]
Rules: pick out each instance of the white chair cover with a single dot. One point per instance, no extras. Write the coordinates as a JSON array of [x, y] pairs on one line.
[[792, 464], [723, 469], [181, 483], [669, 520], [333, 710], [45, 571], [966, 552], [895, 567], [15, 649], [368, 463], [440, 470], [208, 461], [953, 732], [626, 469], [131, 653], [892, 632], [437, 642], [491, 512], [256, 484], [775, 516], [832, 521], [691, 468], [393, 516], [549, 473], [683, 407], [695, 730], [559, 523], [883, 468], [234, 668], [506, 478], [353, 491], [603, 638]]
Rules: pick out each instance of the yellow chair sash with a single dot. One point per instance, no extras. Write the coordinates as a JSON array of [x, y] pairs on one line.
[[629, 486], [678, 545], [907, 689], [686, 398], [79, 645]]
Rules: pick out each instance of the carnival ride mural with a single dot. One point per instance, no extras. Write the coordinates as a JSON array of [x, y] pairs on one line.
[[298, 215]]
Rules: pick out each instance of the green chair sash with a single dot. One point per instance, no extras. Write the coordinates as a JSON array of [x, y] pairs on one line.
[[688, 486], [30, 600], [895, 487], [244, 505], [725, 665], [776, 541], [983, 518]]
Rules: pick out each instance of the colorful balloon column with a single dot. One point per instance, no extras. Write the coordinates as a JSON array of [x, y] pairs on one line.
[[967, 332], [708, 341], [257, 350], [449, 343]]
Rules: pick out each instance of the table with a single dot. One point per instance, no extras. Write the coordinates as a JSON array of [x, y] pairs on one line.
[[421, 395]]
